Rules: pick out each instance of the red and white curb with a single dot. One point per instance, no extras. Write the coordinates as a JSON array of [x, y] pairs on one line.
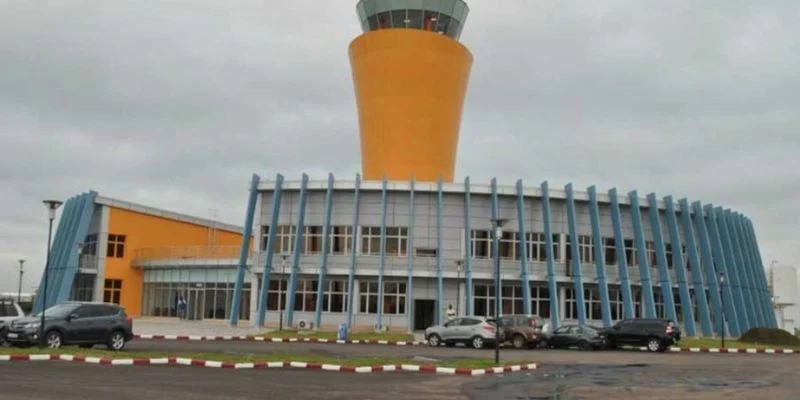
[[277, 339], [732, 351], [268, 365]]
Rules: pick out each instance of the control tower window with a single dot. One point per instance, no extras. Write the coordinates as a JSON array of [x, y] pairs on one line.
[[445, 17]]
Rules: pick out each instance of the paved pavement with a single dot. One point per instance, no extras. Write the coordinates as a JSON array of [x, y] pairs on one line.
[[565, 375], [174, 326], [690, 376]]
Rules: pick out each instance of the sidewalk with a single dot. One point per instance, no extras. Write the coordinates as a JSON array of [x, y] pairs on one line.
[[174, 326]]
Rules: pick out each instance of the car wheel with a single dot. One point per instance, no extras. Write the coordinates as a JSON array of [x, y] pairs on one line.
[[54, 340], [518, 341], [117, 341], [584, 345], [543, 344], [653, 345], [434, 340], [478, 342], [3, 340]]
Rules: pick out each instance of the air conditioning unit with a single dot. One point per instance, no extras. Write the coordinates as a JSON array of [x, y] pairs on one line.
[[380, 328], [305, 325]]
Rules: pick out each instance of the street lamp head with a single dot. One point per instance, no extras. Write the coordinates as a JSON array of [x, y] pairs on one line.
[[52, 206], [21, 261], [79, 247], [458, 265]]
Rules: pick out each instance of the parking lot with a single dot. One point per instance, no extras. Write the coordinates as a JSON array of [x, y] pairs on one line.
[[564, 374]]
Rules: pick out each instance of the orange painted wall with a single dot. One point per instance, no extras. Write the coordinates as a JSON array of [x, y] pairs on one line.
[[410, 87], [146, 231]]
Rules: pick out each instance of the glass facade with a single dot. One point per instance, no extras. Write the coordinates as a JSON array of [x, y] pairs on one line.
[[446, 17], [208, 293]]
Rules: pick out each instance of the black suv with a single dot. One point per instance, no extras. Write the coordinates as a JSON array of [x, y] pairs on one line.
[[82, 323], [655, 334]]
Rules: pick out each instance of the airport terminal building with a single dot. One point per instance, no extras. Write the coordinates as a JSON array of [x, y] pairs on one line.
[[393, 250]]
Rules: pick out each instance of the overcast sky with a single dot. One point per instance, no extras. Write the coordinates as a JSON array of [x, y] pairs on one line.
[[175, 103]]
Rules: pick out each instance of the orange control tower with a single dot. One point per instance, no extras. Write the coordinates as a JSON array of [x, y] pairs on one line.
[[410, 75]]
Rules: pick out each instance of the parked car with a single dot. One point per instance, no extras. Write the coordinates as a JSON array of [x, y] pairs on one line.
[[477, 332], [522, 330], [655, 334], [9, 311], [80, 323], [583, 337]]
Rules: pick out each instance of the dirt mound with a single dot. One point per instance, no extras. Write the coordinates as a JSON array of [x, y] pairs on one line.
[[770, 336]]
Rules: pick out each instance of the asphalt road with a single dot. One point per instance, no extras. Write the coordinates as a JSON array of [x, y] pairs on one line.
[[565, 375]]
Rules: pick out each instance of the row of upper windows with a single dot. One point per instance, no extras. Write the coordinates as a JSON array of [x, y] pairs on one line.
[[397, 241], [115, 247]]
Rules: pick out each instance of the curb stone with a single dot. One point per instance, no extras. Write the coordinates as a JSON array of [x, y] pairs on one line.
[[177, 361]]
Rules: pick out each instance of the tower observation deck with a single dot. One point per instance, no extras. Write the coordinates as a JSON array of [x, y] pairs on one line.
[[410, 75]]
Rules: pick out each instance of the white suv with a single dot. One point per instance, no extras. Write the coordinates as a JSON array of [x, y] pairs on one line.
[[9, 311]]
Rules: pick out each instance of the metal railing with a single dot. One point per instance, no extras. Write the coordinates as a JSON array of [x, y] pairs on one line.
[[188, 253]]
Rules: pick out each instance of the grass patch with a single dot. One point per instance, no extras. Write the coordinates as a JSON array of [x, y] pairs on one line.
[[273, 357], [733, 344], [399, 337]]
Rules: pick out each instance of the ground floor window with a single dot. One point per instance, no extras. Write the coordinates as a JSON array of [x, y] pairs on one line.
[[112, 291], [540, 301], [616, 303], [83, 288], [394, 297], [570, 305]]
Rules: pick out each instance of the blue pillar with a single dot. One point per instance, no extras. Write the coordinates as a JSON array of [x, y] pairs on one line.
[[599, 257], [552, 287], [59, 267], [244, 252], [746, 263], [69, 223], [326, 249], [721, 262], [382, 258], [680, 268], [495, 258], [439, 272], [468, 246], [266, 276], [641, 255], [73, 259], [711, 277], [523, 251], [755, 298], [622, 258], [761, 276], [661, 258], [410, 254], [577, 271], [734, 269], [696, 269], [298, 250], [351, 278], [745, 278]]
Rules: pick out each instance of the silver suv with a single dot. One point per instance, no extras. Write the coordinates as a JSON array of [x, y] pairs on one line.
[[9, 311], [474, 331]]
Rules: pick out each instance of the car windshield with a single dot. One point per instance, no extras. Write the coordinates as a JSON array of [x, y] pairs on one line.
[[59, 310]]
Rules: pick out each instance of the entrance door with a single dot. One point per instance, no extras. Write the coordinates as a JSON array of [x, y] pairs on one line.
[[195, 304], [424, 313]]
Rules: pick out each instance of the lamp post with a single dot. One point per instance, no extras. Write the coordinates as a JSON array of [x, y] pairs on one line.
[[722, 308], [497, 230], [282, 298], [458, 287], [52, 206], [21, 272]]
